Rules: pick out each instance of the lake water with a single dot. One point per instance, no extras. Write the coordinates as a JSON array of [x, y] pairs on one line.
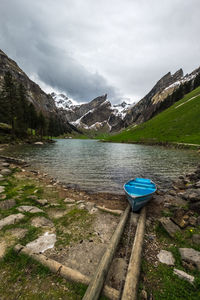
[[105, 166]]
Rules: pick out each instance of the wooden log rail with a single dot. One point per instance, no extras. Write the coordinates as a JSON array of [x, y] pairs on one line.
[[133, 273], [65, 272]]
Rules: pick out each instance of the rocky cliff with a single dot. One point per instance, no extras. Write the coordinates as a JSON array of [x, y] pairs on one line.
[[41, 101], [98, 114], [169, 89]]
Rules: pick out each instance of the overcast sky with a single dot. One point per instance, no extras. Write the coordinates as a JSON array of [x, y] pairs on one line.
[[87, 48]]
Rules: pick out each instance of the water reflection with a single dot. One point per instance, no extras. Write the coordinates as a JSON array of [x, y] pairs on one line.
[[105, 166]]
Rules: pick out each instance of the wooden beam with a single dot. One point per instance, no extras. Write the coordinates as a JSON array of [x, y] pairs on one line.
[[133, 273], [65, 272]]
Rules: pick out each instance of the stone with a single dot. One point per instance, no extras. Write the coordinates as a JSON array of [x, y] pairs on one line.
[[2, 189], [166, 257], [69, 200], [12, 219], [194, 197], [70, 204], [143, 295], [192, 221], [6, 172], [169, 226], [81, 206], [30, 209], [5, 165], [41, 244], [172, 193], [190, 255], [180, 218], [41, 222], [197, 184], [179, 184], [1, 176], [196, 239], [181, 274], [39, 143], [198, 221], [7, 204], [18, 233], [80, 201], [42, 202], [93, 210], [89, 205], [3, 196], [195, 206]]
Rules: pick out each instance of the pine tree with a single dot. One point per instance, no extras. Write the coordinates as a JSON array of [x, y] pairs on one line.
[[41, 124], [22, 109], [51, 127], [9, 98], [32, 118]]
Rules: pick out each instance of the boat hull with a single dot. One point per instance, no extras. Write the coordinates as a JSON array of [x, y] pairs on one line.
[[134, 187]]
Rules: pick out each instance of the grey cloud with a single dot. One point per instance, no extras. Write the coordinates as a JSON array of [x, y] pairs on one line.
[[88, 48]]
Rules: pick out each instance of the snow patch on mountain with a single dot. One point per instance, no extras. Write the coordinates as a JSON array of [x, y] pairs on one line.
[[63, 102]]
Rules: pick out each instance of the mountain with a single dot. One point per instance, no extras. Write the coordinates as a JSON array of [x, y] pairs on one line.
[[179, 123], [98, 114], [42, 102], [169, 89]]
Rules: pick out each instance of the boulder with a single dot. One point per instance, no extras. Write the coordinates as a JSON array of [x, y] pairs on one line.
[[169, 226], [166, 257], [181, 274], [190, 255]]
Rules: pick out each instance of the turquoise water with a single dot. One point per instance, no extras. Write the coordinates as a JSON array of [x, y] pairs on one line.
[[105, 167]]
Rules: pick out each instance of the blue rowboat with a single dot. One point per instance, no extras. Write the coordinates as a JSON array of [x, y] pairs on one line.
[[139, 191]]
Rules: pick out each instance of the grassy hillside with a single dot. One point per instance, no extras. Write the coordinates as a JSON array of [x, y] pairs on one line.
[[180, 123]]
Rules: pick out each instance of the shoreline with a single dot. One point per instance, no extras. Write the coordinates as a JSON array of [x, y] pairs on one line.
[[175, 206], [173, 145]]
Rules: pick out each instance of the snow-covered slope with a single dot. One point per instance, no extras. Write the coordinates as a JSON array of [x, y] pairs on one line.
[[62, 101], [95, 115]]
